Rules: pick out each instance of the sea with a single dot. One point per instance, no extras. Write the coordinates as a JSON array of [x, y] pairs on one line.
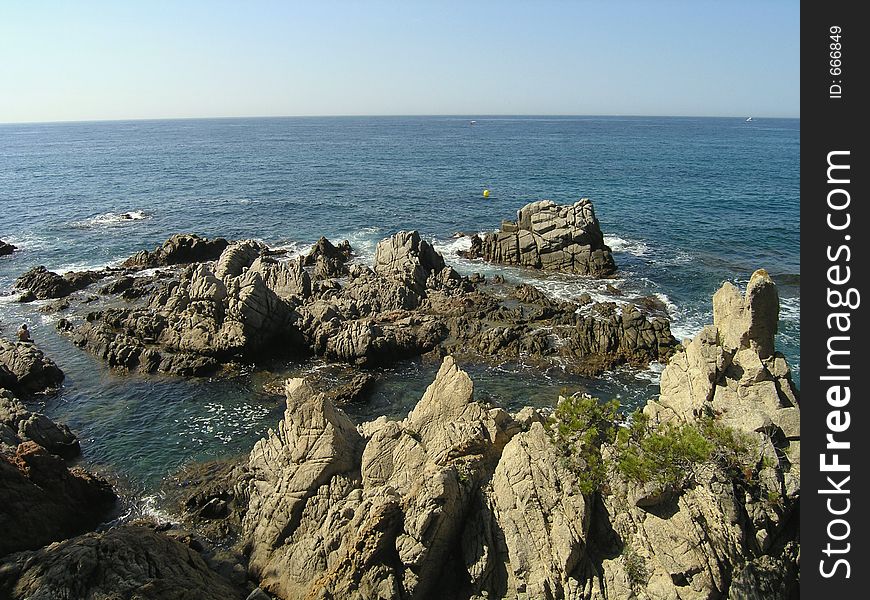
[[685, 204]]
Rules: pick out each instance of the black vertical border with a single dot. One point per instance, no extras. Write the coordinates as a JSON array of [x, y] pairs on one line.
[[833, 124]]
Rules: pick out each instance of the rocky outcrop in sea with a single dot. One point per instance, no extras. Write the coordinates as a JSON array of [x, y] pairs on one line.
[[6, 249], [549, 236], [246, 302]]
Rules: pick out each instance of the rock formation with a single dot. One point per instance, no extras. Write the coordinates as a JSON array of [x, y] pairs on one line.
[[748, 541], [236, 307], [548, 236], [6, 249], [42, 284], [44, 501], [18, 425], [131, 561], [247, 303], [371, 514], [24, 369], [463, 501]]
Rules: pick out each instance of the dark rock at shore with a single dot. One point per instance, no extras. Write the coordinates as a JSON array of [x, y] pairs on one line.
[[18, 425], [43, 501], [6, 249], [42, 284], [130, 561], [550, 237], [24, 368], [179, 249]]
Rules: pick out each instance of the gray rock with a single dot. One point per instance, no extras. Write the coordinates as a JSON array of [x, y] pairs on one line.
[[42, 284], [6, 249], [23, 425], [729, 370], [26, 369], [550, 237], [408, 258]]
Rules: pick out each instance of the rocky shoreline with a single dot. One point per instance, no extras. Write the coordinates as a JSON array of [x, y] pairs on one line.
[[460, 499]]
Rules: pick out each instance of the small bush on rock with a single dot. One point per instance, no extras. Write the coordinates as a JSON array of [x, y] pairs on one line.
[[580, 424]]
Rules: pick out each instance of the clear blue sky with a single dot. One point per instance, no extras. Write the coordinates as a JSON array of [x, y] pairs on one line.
[[155, 59]]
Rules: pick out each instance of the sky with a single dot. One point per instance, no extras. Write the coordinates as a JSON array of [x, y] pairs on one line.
[[88, 60]]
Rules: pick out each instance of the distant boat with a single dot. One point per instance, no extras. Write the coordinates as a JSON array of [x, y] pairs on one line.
[[749, 120], [472, 122]]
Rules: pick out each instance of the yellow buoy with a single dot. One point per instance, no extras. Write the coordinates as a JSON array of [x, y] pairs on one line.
[[486, 193]]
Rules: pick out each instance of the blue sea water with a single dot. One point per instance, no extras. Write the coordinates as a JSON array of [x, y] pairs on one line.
[[685, 203]]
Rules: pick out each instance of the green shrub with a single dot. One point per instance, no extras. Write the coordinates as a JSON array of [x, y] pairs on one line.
[[580, 424], [668, 454], [635, 568], [665, 455]]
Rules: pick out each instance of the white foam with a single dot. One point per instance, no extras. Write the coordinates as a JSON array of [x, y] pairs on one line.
[[790, 309], [635, 247], [28, 242], [148, 508], [292, 249], [86, 266], [452, 247], [113, 218], [364, 242]]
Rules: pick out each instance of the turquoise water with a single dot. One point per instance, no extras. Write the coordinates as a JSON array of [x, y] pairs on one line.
[[686, 203]]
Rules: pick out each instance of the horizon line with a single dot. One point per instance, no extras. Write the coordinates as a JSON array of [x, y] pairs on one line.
[[363, 116]]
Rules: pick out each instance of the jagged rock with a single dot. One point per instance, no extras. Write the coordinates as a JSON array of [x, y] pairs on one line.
[[6, 249], [408, 258], [731, 373], [329, 260], [731, 369], [410, 304], [43, 501], [332, 512], [530, 532], [750, 321], [130, 561], [326, 249], [179, 249], [237, 257], [17, 425], [288, 280], [42, 284], [550, 237], [32, 371]]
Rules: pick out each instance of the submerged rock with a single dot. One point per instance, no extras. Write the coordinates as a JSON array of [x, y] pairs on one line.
[[6, 249], [551, 237]]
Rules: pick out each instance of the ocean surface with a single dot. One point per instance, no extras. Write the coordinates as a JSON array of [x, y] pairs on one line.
[[685, 203]]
